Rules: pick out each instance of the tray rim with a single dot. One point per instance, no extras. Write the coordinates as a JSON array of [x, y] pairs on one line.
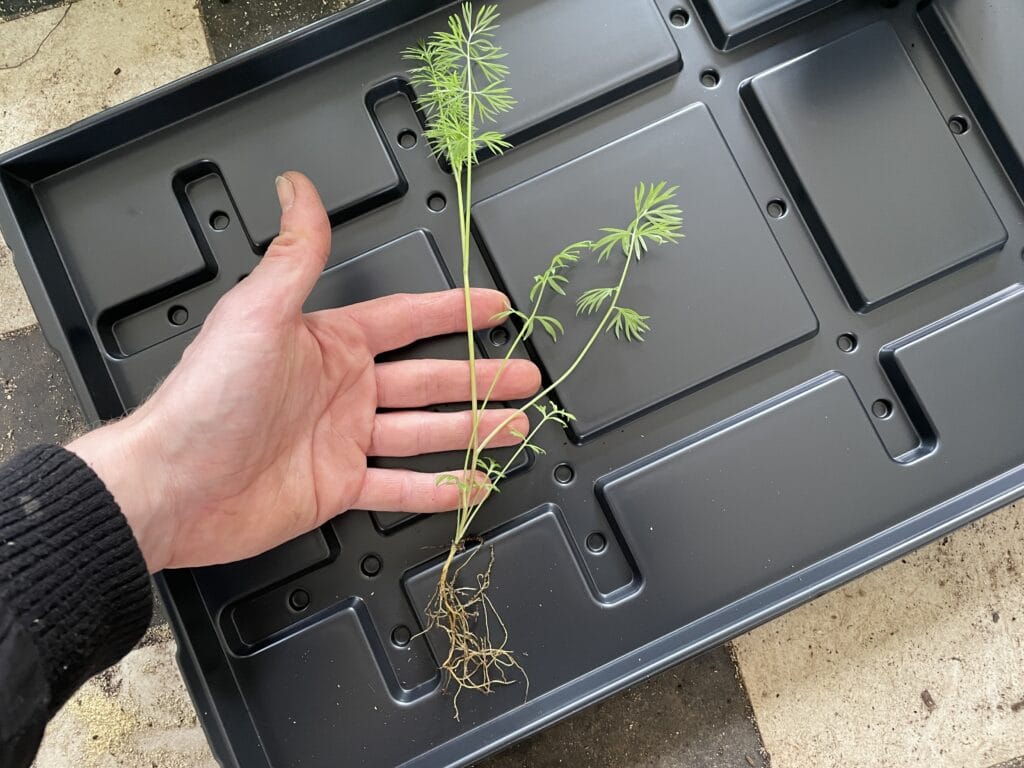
[[619, 674]]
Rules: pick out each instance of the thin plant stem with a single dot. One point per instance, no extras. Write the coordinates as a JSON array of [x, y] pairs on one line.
[[467, 519], [575, 363], [471, 342], [459, 82], [465, 213], [464, 526], [513, 346]]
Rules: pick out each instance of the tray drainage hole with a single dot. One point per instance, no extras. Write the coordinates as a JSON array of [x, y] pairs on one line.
[[436, 202], [177, 315], [679, 17], [298, 600], [371, 565], [401, 635], [597, 543], [564, 474], [709, 78], [882, 408], [219, 220], [407, 139], [847, 342], [776, 208], [499, 336], [958, 124]]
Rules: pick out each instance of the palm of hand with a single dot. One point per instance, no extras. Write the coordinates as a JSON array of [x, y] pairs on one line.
[[287, 441], [263, 430]]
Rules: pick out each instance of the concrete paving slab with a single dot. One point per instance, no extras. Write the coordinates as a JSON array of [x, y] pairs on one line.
[[10, 9], [36, 401], [695, 715], [241, 24], [63, 64], [920, 663], [137, 714], [15, 310]]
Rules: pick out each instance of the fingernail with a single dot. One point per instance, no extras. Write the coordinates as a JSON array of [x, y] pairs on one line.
[[285, 192]]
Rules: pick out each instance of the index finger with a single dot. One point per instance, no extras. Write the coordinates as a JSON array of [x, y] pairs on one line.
[[396, 321]]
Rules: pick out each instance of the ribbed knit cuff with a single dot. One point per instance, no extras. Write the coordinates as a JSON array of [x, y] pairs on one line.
[[70, 567]]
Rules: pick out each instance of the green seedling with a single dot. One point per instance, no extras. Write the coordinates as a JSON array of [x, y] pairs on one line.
[[459, 77]]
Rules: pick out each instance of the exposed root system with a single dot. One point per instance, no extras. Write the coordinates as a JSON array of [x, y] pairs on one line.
[[478, 655]]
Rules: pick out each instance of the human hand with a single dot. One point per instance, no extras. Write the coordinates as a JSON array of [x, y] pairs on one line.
[[263, 430]]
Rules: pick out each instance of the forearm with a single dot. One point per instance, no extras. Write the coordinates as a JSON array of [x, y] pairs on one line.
[[126, 456], [74, 590]]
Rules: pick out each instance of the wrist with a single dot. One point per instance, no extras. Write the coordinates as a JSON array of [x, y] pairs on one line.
[[125, 455]]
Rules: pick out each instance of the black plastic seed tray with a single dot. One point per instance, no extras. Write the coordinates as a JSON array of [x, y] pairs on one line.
[[833, 376]]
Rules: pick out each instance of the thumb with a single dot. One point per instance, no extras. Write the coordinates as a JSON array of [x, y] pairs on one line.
[[296, 257]]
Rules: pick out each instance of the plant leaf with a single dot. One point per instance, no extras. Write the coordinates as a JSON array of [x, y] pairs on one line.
[[551, 412], [442, 480], [552, 325], [629, 323], [591, 301], [507, 313]]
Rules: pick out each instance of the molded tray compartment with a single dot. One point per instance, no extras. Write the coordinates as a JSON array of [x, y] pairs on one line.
[[628, 47], [409, 264], [107, 221], [109, 215], [563, 611], [980, 43], [963, 378], [213, 219], [222, 583], [313, 714], [731, 23], [362, 699], [878, 176], [756, 499], [700, 293]]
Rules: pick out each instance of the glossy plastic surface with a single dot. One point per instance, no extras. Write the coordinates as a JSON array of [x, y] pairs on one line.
[[833, 374]]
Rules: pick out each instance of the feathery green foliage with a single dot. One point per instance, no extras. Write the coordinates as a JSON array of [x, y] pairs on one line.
[[460, 84], [459, 81]]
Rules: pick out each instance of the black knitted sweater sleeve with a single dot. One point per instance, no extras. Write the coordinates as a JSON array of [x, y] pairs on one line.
[[74, 591]]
